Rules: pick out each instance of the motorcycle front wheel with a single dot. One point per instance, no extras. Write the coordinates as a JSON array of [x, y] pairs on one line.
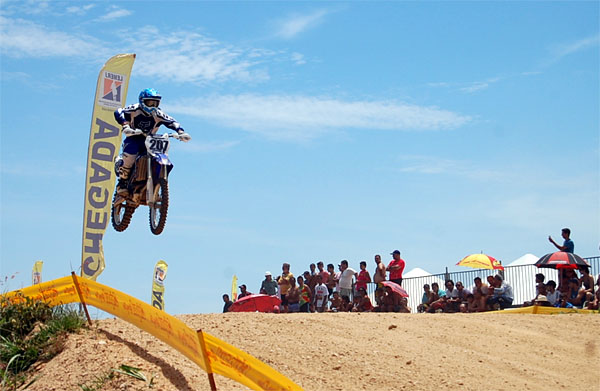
[[121, 214], [158, 211]]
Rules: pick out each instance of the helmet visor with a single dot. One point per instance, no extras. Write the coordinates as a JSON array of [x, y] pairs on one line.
[[151, 102]]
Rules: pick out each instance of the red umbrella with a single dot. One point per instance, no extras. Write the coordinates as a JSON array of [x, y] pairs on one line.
[[252, 303], [395, 288], [561, 260]]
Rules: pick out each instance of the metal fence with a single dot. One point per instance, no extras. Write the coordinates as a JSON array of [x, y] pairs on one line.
[[520, 278]]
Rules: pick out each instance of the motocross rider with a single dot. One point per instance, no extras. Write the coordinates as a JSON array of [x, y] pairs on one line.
[[147, 117]]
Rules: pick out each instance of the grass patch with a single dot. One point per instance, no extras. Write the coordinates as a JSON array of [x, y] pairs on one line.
[[32, 331]]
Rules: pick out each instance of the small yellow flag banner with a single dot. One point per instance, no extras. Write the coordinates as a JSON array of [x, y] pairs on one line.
[[224, 359], [158, 285], [105, 139], [36, 273], [234, 288]]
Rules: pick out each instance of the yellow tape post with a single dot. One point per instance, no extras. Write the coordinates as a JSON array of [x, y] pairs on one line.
[[225, 360]]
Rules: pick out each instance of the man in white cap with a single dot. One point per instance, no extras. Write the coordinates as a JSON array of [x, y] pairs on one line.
[[269, 286]]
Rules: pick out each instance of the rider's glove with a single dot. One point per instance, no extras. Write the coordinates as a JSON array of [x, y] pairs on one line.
[[127, 131], [184, 137]]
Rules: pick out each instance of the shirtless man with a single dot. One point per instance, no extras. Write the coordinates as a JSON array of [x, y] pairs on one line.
[[293, 296], [336, 303], [587, 282], [480, 294], [379, 271], [391, 301]]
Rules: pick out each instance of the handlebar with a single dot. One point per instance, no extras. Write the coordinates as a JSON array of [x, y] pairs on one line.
[[136, 132]]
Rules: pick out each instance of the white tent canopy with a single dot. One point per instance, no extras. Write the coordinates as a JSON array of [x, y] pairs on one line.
[[527, 259], [416, 272]]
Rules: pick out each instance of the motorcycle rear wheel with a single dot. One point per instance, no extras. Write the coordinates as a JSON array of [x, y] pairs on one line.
[[121, 215], [158, 211]]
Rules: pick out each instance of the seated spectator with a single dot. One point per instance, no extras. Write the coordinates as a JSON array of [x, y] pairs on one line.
[[574, 297], [227, 302], [425, 299], [321, 294], [449, 302], [337, 305], [403, 305], [379, 296], [502, 295], [540, 289], [364, 302], [552, 294], [244, 292], [437, 296], [293, 296], [363, 278], [462, 293], [355, 303], [565, 275], [305, 295], [472, 305], [391, 301], [480, 294], [587, 282], [595, 303], [346, 304], [542, 301]]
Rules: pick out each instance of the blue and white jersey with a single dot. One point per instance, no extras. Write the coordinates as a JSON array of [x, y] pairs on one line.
[[137, 119]]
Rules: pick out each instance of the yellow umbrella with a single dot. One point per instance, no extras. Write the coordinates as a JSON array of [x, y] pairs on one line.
[[480, 261]]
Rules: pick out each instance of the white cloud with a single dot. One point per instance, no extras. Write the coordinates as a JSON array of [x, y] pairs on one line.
[[563, 50], [304, 117], [298, 58], [192, 57], [296, 24], [22, 38], [80, 10], [438, 166], [116, 13]]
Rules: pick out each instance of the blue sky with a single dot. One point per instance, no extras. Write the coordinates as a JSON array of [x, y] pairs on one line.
[[321, 131]]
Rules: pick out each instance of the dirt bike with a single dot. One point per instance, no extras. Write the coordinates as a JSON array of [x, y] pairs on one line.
[[147, 184]]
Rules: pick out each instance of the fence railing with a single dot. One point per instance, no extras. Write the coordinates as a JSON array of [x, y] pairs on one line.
[[521, 279]]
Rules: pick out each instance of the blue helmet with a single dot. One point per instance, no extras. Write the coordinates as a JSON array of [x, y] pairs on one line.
[[149, 100]]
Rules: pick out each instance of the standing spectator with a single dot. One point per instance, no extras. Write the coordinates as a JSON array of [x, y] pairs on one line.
[[345, 279], [227, 302], [244, 291], [284, 285], [396, 267], [312, 281], [321, 295], [363, 277], [568, 245], [293, 296], [331, 280], [305, 295], [379, 275], [324, 274], [502, 295], [268, 285]]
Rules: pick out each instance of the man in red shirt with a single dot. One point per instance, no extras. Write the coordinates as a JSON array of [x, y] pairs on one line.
[[396, 267]]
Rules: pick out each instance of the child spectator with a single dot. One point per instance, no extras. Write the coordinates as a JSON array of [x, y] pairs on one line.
[[305, 295], [346, 304], [337, 304], [362, 278], [321, 295], [552, 295], [364, 304]]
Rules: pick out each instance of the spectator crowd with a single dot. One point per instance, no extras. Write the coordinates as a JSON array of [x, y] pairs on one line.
[[325, 289]]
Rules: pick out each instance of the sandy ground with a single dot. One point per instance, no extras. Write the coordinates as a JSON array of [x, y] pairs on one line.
[[349, 351]]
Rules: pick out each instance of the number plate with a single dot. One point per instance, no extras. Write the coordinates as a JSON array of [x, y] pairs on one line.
[[157, 144]]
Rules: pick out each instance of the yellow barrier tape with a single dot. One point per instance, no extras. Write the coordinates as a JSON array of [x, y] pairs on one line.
[[225, 359], [536, 309]]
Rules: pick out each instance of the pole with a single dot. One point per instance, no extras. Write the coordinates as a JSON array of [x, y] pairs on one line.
[[81, 297], [209, 372]]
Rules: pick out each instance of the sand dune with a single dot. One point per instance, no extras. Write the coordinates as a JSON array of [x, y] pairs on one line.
[[348, 351]]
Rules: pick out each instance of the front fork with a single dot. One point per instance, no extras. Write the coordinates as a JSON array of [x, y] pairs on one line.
[[150, 184]]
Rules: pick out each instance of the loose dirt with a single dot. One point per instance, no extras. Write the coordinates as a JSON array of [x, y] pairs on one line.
[[349, 351]]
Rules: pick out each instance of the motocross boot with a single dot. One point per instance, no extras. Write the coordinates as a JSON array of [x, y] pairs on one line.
[[122, 189]]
